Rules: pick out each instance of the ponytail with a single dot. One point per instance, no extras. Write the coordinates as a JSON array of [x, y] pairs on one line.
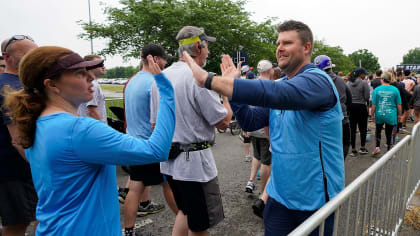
[[24, 107]]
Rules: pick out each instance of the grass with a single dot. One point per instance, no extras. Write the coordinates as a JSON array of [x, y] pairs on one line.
[[116, 88]]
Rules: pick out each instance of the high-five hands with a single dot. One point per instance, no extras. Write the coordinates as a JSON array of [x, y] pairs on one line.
[[229, 69]]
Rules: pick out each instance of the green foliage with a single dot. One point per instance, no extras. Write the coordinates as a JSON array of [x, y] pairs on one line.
[[369, 61], [412, 57], [342, 62], [121, 72], [139, 23]]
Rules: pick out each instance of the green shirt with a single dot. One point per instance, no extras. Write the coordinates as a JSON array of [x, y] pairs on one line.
[[386, 98]]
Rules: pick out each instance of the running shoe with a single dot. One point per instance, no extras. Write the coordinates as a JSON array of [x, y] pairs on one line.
[[250, 186], [258, 207], [248, 158], [353, 153], [122, 194], [152, 208], [137, 233], [363, 151], [376, 151]]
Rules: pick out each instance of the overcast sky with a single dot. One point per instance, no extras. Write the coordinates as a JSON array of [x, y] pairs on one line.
[[388, 28]]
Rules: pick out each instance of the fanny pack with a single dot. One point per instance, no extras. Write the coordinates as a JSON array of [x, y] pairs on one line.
[[177, 148]]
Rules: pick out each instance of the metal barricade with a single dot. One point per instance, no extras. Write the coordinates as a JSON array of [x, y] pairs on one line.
[[113, 102], [375, 202]]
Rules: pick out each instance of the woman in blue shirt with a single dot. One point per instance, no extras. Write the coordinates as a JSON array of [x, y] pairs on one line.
[[73, 158]]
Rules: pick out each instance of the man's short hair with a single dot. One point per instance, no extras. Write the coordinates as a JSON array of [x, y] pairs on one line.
[[91, 57], [305, 33], [407, 72], [378, 72]]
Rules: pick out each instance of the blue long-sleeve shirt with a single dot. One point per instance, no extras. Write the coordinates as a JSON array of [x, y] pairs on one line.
[[305, 91], [72, 163]]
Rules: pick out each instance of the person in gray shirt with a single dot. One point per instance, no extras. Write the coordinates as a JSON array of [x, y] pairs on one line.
[[192, 174], [358, 111]]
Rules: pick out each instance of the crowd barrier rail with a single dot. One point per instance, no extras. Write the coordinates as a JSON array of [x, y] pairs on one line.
[[376, 201]]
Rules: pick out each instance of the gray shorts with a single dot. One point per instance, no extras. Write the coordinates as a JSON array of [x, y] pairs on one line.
[[200, 202], [261, 148]]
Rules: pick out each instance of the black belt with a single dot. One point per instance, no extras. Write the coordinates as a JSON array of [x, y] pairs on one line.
[[177, 148]]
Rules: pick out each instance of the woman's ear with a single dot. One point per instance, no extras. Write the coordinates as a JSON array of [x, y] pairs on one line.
[[50, 85]]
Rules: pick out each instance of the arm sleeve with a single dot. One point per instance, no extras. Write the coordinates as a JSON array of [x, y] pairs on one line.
[[95, 142], [349, 99], [250, 118], [366, 92], [306, 91], [154, 103]]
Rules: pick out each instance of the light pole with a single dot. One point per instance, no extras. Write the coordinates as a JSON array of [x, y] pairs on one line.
[[90, 25]]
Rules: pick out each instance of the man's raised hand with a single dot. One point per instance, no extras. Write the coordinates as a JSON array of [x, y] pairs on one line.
[[199, 74]]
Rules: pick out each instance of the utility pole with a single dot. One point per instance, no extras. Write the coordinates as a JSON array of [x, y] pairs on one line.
[[90, 32]]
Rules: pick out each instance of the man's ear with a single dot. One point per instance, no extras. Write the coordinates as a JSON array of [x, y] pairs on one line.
[[307, 47], [50, 85]]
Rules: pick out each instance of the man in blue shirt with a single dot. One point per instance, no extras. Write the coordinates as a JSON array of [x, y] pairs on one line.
[[304, 115], [138, 98], [17, 194]]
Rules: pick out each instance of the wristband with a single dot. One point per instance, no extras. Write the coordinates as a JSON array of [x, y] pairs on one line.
[[209, 79]]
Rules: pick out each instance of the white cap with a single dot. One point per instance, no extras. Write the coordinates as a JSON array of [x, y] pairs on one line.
[[264, 65], [245, 68]]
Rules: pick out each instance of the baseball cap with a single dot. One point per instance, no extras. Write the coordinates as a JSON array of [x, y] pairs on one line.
[[154, 50], [264, 65], [72, 61], [192, 34], [250, 75], [323, 62], [246, 68]]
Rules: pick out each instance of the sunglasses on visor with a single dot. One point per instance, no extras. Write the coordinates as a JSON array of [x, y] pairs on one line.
[[16, 38]]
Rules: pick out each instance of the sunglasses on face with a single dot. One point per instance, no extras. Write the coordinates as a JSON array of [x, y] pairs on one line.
[[17, 38]]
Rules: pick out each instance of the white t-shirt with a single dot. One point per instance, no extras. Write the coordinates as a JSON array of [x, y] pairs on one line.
[[197, 110], [98, 101]]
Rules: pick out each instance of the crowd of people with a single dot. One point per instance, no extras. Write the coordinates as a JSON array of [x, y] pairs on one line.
[[58, 155]]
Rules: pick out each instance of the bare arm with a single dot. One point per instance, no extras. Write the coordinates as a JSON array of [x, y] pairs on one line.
[[223, 124], [14, 134], [221, 84], [373, 112], [93, 112]]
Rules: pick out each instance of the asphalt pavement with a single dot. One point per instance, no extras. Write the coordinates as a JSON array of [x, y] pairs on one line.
[[233, 173]]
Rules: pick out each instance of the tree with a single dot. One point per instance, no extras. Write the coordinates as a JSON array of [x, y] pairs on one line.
[[121, 72], [139, 23], [412, 57], [368, 60], [342, 62]]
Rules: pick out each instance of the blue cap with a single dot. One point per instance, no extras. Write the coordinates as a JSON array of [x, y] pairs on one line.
[[250, 75]]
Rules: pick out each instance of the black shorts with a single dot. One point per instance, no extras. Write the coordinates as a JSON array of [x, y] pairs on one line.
[[17, 202], [201, 202], [148, 174], [261, 148], [246, 139]]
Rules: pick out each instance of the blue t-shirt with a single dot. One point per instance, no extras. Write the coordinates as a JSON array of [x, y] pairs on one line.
[[137, 102], [386, 99], [12, 165], [72, 162]]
